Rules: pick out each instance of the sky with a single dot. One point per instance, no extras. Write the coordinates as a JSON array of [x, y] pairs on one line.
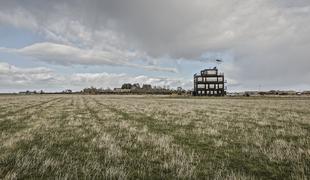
[[72, 44]]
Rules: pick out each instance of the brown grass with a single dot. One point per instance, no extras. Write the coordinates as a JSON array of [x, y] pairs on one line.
[[129, 137]]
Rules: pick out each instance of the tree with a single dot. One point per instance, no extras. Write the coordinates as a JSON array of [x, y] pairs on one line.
[[126, 86], [136, 86], [147, 87]]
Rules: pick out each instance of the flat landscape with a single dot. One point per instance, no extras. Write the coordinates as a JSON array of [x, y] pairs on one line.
[[130, 137]]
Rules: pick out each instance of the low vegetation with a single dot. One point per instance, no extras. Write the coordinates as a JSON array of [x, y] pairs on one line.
[[130, 137]]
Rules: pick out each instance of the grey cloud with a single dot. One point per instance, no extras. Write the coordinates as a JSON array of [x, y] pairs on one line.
[[267, 38]]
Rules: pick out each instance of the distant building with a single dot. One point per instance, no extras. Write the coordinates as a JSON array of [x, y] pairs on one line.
[[67, 91], [251, 93], [209, 83], [27, 92]]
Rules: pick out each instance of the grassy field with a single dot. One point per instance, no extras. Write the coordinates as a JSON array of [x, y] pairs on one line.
[[130, 137]]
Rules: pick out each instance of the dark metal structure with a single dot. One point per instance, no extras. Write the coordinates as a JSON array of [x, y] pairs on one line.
[[209, 83]]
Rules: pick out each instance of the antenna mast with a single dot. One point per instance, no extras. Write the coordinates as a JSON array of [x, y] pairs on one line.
[[218, 62]]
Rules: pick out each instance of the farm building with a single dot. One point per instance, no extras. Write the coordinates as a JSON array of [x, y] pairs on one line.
[[209, 83]]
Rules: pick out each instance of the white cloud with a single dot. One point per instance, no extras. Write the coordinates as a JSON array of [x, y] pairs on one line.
[[116, 80], [68, 55], [13, 77]]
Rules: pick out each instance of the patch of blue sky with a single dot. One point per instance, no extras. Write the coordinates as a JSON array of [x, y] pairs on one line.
[[12, 37]]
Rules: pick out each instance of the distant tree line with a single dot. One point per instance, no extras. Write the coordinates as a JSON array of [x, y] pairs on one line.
[[128, 88], [135, 88]]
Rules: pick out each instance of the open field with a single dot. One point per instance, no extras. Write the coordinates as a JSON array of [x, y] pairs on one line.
[[131, 137]]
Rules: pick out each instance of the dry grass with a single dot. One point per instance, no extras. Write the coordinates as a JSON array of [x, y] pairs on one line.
[[129, 137]]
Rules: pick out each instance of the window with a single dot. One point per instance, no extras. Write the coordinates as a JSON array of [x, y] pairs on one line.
[[220, 79], [215, 92], [211, 79], [199, 79], [220, 85], [211, 86], [211, 72], [201, 86], [199, 92]]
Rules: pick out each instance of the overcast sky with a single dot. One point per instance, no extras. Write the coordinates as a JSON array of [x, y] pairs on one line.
[[72, 44]]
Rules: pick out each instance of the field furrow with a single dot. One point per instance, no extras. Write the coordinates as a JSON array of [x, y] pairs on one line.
[[149, 137], [18, 107], [232, 136], [155, 153]]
